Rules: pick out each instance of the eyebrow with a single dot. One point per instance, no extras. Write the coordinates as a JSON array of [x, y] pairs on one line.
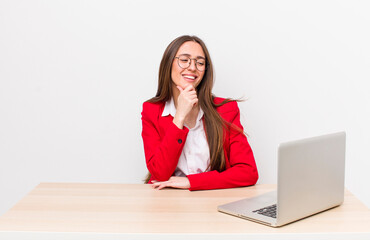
[[188, 55]]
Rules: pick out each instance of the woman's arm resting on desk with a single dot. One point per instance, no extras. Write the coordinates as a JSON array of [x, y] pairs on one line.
[[161, 153], [174, 182]]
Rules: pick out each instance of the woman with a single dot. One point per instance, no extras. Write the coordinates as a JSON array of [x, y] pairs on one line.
[[193, 140]]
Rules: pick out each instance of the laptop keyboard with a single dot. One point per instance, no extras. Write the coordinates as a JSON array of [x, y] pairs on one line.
[[269, 211]]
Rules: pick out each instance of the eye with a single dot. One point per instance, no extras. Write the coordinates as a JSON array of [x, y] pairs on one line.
[[184, 60], [201, 63]]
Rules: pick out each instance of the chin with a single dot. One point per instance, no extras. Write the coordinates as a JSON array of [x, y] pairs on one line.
[[184, 85]]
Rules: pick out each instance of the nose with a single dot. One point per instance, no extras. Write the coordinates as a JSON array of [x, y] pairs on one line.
[[192, 65]]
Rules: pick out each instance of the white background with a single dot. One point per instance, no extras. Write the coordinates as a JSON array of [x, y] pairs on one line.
[[74, 74]]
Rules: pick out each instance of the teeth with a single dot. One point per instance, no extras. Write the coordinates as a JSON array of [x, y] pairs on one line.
[[192, 77]]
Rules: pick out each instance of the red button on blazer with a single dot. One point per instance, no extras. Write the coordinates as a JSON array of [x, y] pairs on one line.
[[164, 141]]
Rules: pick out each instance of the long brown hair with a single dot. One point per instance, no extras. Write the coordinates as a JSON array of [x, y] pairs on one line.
[[213, 122]]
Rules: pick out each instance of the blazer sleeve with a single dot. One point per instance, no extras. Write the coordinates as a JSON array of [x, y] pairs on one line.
[[162, 150], [242, 170]]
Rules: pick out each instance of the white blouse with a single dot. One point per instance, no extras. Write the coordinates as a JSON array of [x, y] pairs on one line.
[[195, 156]]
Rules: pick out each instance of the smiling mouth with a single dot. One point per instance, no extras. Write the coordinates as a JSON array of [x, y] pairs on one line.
[[189, 77]]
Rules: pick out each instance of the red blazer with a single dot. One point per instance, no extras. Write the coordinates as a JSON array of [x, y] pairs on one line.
[[164, 141]]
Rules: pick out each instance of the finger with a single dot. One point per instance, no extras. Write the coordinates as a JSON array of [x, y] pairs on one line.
[[163, 185], [180, 89], [187, 93], [192, 95], [160, 185], [195, 102], [189, 88], [192, 98], [155, 184]]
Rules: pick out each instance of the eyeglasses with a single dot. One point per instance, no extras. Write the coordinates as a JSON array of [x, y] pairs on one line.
[[185, 61]]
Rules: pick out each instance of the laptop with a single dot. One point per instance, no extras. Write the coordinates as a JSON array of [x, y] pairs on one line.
[[310, 180]]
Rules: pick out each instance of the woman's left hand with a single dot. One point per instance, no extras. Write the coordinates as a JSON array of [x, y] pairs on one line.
[[174, 182]]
